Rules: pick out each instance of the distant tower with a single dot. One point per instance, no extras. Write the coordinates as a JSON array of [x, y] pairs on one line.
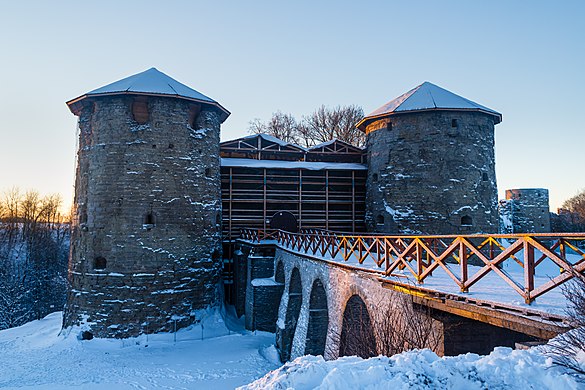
[[526, 210], [146, 234], [431, 164]]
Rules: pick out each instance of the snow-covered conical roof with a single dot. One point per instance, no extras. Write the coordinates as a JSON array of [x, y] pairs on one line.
[[425, 97], [150, 82]]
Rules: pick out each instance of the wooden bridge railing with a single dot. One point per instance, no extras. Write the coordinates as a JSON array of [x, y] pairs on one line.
[[419, 256]]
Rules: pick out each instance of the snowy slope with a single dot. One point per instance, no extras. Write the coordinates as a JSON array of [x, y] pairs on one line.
[[35, 356], [503, 369]]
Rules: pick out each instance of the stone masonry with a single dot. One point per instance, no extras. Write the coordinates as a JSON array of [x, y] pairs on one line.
[[146, 234], [432, 172], [525, 210]]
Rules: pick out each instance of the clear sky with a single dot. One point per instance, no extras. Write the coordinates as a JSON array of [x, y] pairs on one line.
[[525, 59]]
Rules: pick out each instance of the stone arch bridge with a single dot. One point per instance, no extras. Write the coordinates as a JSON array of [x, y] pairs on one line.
[[332, 294]]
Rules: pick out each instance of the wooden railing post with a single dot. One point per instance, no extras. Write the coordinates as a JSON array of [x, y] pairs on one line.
[[528, 271], [419, 261], [463, 265]]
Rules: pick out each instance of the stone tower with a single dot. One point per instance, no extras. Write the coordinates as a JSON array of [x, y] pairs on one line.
[[146, 235], [525, 210], [431, 164]]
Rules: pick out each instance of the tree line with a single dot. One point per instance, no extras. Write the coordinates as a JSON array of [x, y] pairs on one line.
[[572, 213], [324, 124], [34, 247]]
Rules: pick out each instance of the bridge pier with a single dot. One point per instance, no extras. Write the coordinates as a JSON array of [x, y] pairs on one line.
[[260, 298]]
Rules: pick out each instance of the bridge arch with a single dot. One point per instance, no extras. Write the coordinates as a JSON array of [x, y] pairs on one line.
[[293, 309], [357, 333], [318, 320]]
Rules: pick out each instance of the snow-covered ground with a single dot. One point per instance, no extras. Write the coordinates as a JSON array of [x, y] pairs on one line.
[[503, 369], [37, 356]]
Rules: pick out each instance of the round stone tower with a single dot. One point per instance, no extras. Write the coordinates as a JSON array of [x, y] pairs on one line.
[[146, 235], [431, 164]]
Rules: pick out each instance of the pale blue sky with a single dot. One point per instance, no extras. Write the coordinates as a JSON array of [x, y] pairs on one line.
[[525, 59]]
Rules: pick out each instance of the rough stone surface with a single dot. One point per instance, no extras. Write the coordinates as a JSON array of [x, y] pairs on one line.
[[301, 335], [323, 295], [432, 172], [145, 246], [525, 211], [263, 292]]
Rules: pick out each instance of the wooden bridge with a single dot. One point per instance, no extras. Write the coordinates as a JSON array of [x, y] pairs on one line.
[[421, 255], [510, 281]]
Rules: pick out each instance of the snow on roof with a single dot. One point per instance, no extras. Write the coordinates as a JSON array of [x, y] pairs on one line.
[[151, 82], [312, 166], [428, 96], [331, 142], [271, 138], [323, 144]]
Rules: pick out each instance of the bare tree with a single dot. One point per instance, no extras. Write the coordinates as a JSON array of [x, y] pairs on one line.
[[576, 207], [322, 125], [34, 248], [566, 348], [282, 126], [391, 327], [334, 123]]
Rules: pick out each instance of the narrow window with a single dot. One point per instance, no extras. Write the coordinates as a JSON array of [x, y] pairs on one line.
[[485, 177], [99, 262], [140, 110], [380, 219], [207, 172], [454, 123], [218, 219], [466, 221], [375, 177], [148, 221], [389, 126]]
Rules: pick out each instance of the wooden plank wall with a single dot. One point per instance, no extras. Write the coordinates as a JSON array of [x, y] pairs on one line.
[[327, 199]]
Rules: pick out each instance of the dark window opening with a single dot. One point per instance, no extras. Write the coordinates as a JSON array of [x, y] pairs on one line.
[[149, 221], [193, 113], [375, 177], [218, 219], [140, 110], [100, 262], [454, 123], [215, 255], [466, 220], [484, 177], [171, 146], [207, 172], [154, 146], [380, 220], [389, 126]]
